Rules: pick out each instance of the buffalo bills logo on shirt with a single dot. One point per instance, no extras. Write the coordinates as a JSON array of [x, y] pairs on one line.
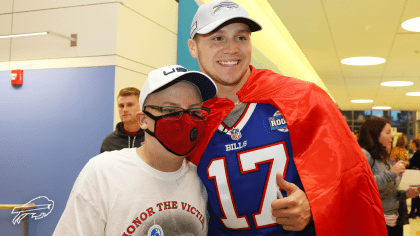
[[235, 134], [155, 230], [277, 122], [226, 5]]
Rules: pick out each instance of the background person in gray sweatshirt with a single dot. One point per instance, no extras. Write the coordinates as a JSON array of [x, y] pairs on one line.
[[127, 133]]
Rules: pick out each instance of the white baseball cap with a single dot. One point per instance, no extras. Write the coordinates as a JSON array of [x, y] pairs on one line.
[[211, 15], [165, 75]]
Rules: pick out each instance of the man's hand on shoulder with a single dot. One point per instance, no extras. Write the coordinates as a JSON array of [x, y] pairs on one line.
[[292, 212]]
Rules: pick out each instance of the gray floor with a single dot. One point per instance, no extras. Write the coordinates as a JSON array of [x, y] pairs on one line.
[[412, 229]]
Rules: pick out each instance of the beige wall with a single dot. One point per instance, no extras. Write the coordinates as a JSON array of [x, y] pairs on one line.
[[94, 22], [136, 36], [146, 40]]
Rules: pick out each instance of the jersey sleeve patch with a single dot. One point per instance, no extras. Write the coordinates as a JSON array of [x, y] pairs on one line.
[[277, 122]]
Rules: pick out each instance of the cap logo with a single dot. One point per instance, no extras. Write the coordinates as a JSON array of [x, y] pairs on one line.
[[178, 69], [193, 28], [228, 5]]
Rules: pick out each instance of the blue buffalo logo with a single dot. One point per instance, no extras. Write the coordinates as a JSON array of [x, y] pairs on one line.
[[38, 208]]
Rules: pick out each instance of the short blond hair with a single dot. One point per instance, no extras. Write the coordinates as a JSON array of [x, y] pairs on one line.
[[128, 92]]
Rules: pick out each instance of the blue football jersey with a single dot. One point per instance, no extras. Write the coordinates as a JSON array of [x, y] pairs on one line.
[[239, 169]]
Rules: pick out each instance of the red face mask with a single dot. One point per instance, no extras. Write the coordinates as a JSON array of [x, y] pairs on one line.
[[179, 136]]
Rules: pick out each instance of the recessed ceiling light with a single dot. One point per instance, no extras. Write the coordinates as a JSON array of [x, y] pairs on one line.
[[361, 101], [412, 24], [413, 94], [381, 108], [363, 61], [397, 83]]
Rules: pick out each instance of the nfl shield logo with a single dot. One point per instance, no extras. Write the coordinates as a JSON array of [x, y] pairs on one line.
[[235, 134]]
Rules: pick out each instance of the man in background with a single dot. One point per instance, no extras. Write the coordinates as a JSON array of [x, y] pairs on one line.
[[127, 133]]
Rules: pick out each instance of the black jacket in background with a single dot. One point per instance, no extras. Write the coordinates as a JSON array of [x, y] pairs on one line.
[[415, 161], [119, 139]]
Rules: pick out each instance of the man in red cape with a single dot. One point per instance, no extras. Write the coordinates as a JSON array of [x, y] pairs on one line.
[[337, 179], [341, 195]]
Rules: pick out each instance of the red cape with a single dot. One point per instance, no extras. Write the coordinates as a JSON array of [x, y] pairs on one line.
[[335, 174]]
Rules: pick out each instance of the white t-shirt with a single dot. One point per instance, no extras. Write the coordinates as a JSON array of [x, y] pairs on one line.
[[117, 193]]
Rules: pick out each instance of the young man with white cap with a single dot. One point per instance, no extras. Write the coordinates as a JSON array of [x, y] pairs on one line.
[[268, 131], [150, 190]]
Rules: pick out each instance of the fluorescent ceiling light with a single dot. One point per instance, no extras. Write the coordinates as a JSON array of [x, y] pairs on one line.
[[381, 108], [361, 101], [397, 83], [412, 24], [413, 94], [22, 35], [73, 38], [363, 61]]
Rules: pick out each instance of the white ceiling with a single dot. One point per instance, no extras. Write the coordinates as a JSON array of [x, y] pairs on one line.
[[328, 31]]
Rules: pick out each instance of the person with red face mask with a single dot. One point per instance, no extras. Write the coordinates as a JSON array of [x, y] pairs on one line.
[[153, 189]]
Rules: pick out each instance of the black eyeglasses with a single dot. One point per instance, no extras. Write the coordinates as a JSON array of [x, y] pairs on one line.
[[175, 113]]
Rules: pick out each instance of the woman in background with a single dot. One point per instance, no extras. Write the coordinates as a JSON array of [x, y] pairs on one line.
[[415, 164], [400, 152], [375, 139]]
